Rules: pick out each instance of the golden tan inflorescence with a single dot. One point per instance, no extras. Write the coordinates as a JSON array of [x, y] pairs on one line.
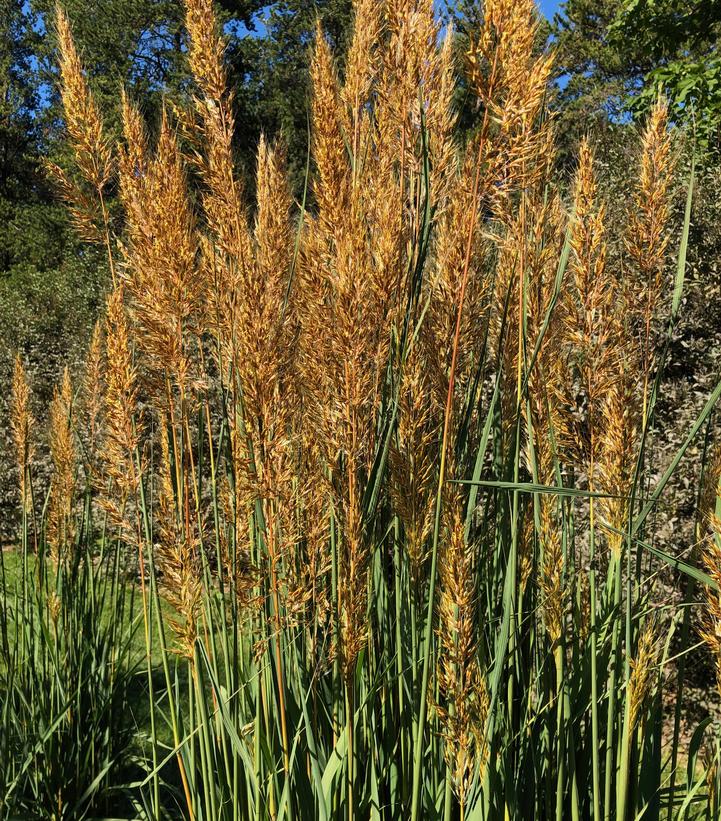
[[61, 521]]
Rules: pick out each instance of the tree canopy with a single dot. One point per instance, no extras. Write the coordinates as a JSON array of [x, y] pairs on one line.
[[617, 56]]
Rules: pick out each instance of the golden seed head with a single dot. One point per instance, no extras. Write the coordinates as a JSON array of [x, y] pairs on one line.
[[177, 553], [122, 423], [551, 581], [643, 668], [60, 526], [163, 280], [619, 429], [362, 60], [206, 50], [710, 625], [82, 116], [647, 235], [412, 461], [92, 394], [133, 156], [329, 148], [461, 680]]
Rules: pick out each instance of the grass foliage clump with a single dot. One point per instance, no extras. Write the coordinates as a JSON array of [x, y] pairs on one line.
[[357, 490]]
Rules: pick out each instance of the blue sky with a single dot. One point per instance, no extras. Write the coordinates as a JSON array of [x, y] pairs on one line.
[[549, 7]]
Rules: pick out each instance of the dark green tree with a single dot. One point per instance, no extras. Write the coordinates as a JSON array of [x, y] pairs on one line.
[[680, 38], [616, 56], [18, 109], [139, 44], [280, 83], [34, 238]]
